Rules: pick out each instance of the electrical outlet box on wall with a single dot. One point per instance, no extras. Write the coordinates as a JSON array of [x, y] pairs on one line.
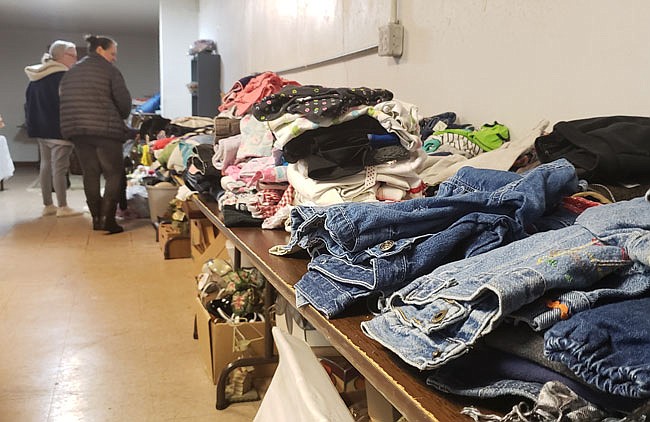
[[391, 40]]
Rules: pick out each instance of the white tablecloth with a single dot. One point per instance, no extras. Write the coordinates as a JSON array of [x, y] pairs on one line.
[[6, 164]]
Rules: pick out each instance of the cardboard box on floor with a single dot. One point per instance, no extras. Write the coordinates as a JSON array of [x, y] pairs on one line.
[[172, 244], [206, 243], [216, 343]]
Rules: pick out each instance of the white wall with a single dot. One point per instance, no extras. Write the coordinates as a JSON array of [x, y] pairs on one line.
[[260, 35], [137, 60], [178, 23], [515, 62]]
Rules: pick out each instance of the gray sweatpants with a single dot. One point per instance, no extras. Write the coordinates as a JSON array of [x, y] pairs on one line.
[[55, 163]]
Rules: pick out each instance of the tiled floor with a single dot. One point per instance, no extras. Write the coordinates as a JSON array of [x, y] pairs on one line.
[[95, 327]]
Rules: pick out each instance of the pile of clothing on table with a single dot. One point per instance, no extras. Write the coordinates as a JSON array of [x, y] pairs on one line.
[[317, 145], [541, 269], [277, 144], [182, 146]]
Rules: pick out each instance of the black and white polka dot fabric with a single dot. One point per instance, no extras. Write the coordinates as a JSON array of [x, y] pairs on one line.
[[316, 102]]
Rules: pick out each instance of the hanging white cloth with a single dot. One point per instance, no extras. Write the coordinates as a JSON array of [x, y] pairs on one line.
[[6, 164], [300, 390]]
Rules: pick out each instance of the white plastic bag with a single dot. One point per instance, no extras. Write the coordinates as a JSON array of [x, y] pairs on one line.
[[300, 390]]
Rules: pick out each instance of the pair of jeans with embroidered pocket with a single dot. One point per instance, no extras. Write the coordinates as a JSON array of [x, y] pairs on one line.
[[439, 316], [361, 248]]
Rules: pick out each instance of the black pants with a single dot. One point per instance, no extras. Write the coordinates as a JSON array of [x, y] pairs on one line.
[[101, 156]]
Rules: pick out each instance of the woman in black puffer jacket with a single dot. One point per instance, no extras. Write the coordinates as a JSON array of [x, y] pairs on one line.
[[94, 103]]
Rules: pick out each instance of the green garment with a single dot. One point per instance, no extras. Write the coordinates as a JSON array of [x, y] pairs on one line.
[[488, 137], [163, 158]]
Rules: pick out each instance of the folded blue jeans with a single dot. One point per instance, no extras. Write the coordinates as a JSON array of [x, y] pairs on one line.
[[439, 316], [349, 228], [608, 346], [361, 248]]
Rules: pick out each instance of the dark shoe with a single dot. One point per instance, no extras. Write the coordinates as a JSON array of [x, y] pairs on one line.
[[108, 213], [98, 224], [112, 227], [95, 208]]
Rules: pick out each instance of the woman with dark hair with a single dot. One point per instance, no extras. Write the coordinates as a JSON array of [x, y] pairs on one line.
[[94, 103]]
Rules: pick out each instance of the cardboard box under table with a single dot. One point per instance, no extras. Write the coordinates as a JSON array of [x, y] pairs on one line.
[[207, 243], [216, 341], [172, 243]]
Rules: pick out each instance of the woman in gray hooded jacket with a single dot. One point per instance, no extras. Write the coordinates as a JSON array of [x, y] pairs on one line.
[[94, 103]]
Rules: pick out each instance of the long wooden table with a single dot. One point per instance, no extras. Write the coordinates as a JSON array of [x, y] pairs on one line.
[[403, 386]]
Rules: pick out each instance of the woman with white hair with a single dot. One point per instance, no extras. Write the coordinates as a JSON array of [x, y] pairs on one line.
[[42, 120]]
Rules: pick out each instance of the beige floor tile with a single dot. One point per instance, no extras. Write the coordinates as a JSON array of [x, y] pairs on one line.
[[189, 399], [52, 244], [34, 408], [29, 378], [117, 402], [32, 335], [79, 376]]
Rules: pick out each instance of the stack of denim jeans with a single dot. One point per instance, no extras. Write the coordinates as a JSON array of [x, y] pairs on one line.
[[439, 316], [362, 249]]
